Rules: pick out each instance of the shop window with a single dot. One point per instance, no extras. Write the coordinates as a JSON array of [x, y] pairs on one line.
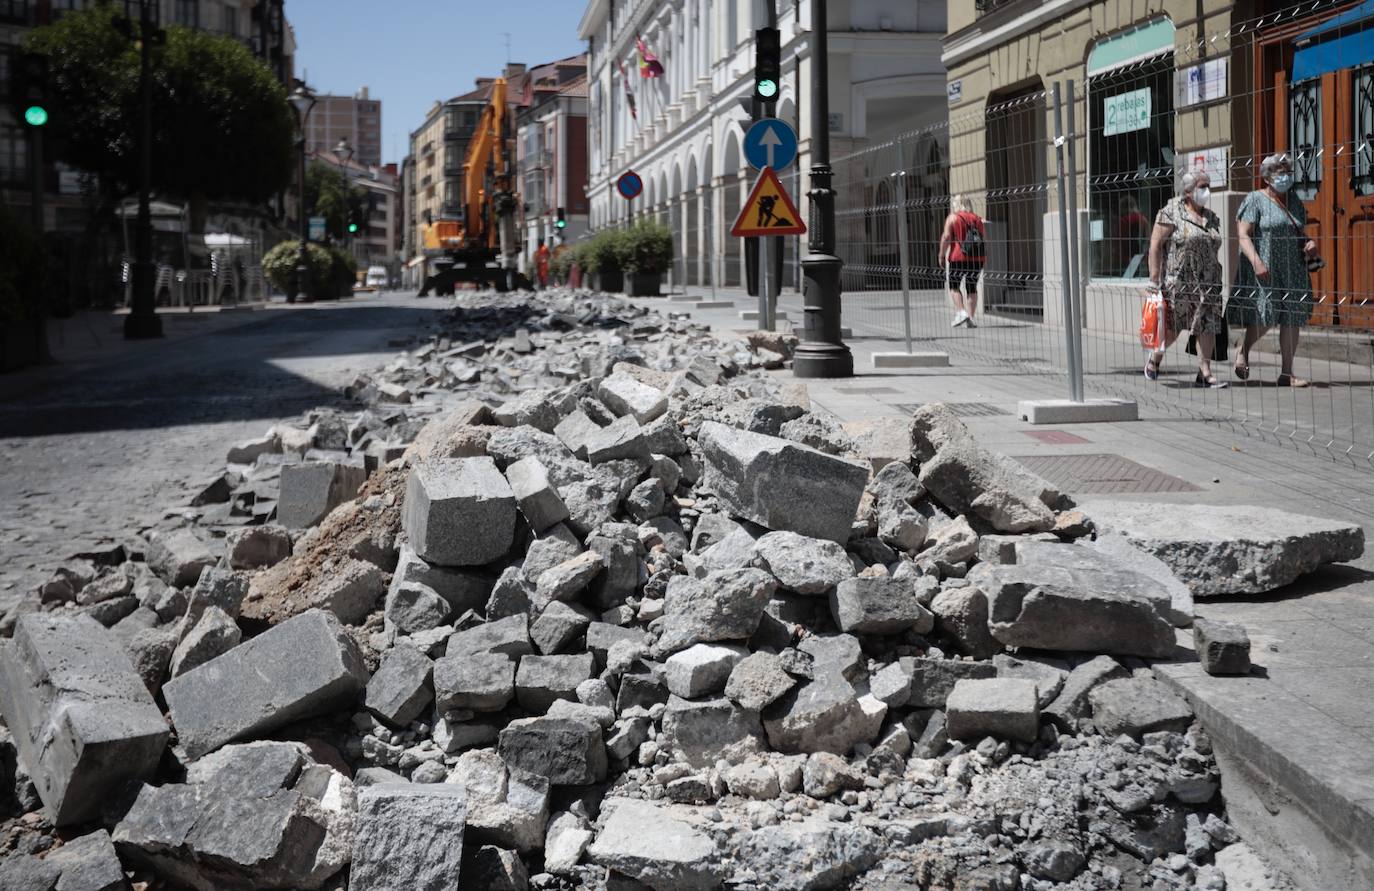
[[1130, 147]]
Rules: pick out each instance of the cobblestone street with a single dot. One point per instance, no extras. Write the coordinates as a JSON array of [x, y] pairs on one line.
[[113, 444]]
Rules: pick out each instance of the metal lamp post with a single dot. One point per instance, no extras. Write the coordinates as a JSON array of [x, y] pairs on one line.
[[143, 322], [821, 353], [344, 152], [302, 100]]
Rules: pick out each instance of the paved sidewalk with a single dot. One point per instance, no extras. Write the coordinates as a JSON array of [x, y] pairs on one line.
[[1305, 722]]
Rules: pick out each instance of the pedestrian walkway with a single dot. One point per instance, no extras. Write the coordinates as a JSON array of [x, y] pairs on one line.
[[1298, 738]]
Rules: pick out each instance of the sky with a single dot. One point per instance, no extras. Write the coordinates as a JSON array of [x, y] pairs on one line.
[[411, 52]]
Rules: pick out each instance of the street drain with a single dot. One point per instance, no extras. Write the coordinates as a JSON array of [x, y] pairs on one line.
[[1102, 474], [866, 391]]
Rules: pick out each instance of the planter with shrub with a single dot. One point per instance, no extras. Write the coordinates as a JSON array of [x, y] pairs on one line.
[[645, 252], [331, 270]]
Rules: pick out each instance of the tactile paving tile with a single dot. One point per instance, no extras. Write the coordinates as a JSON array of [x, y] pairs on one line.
[[1102, 474]]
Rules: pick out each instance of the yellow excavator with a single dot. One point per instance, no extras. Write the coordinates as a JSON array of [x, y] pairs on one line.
[[481, 247]]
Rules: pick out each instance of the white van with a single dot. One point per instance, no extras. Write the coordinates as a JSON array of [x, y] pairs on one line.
[[376, 277]]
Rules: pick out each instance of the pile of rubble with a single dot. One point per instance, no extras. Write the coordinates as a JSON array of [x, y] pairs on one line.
[[584, 599]]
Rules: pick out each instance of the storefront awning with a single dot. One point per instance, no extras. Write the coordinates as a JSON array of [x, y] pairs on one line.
[[1345, 41]]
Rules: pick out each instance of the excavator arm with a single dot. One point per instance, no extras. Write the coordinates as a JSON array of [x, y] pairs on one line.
[[486, 151]]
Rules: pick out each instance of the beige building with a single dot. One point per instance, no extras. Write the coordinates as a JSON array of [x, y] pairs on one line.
[[1160, 88], [356, 118]]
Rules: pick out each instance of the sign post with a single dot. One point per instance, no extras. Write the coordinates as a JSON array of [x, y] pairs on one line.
[[768, 211]]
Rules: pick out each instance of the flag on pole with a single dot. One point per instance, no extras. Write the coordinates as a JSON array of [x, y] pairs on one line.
[[649, 65], [629, 93]]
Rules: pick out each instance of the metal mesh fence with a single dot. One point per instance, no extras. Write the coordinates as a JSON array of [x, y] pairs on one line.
[[1061, 288]]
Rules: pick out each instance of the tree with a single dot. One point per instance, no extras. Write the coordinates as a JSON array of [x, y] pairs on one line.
[[222, 126], [325, 197]]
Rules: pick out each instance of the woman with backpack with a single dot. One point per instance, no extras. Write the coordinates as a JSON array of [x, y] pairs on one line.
[[963, 251]]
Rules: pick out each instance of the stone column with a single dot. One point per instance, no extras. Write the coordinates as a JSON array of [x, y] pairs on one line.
[[701, 234]]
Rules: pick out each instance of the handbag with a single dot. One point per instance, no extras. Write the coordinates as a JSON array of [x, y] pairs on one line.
[[1218, 342]]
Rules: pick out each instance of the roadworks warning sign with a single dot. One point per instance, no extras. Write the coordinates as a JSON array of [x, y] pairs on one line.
[[769, 210]]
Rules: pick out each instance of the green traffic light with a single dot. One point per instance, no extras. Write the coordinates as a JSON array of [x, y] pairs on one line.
[[767, 88], [352, 227], [35, 115], [562, 224]]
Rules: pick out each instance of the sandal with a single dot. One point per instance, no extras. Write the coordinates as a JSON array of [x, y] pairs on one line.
[[1287, 380], [1209, 382], [1241, 369], [1152, 367]]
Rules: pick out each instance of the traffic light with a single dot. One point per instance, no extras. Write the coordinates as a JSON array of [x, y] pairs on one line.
[[562, 221], [352, 228], [767, 64], [29, 88]]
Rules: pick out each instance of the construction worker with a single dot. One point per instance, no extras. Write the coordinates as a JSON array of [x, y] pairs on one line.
[[541, 264]]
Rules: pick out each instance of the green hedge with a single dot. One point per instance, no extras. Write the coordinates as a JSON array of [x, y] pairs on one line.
[[644, 248], [23, 265], [332, 271]]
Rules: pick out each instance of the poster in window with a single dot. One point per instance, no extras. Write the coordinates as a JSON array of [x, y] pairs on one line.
[[1213, 161], [1200, 83], [1126, 112]]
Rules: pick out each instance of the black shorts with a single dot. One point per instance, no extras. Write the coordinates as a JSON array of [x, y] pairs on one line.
[[964, 271]]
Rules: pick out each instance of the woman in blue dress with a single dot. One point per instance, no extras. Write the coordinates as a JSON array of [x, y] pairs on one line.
[[1273, 286]]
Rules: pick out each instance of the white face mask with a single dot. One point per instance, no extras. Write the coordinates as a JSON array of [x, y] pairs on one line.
[[1201, 196]]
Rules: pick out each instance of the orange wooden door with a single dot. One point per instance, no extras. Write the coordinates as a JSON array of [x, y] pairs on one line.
[[1352, 255]]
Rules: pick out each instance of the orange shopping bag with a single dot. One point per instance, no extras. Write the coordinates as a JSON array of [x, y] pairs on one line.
[[1152, 321]]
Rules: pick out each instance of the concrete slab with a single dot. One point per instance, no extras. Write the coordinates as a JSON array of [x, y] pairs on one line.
[[752, 315], [715, 304], [1065, 411], [920, 359]]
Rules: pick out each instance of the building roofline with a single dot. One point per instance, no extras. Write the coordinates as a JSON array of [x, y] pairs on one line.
[[592, 17]]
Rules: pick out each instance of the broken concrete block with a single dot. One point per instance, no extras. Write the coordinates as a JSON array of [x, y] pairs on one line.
[[757, 681], [962, 614], [249, 450], [409, 836], [216, 587], [178, 557], [1137, 706], [82, 719], [880, 441], [538, 499], [464, 589], [510, 635], [879, 606], [891, 685], [459, 511], [567, 751], [88, 863], [701, 669], [402, 688], [1065, 597], [483, 682], [625, 395], [1072, 702], [620, 439], [505, 807], [1231, 549], [1121, 550], [1048, 673], [993, 707], [566, 580], [311, 489], [533, 408], [820, 715], [802, 564], [781, 485], [412, 607], [702, 732], [726, 605], [932, 680], [1222, 647], [496, 869], [644, 841], [542, 679], [311, 666], [256, 547], [969, 479], [574, 431], [214, 634], [565, 843]]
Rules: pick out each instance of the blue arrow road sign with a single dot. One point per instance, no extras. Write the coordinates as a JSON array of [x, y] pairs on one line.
[[770, 143]]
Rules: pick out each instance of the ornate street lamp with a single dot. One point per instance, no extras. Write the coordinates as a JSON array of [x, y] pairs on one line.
[[302, 100]]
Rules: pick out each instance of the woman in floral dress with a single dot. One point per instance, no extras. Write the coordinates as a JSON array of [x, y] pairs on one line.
[[1185, 265], [1273, 286]]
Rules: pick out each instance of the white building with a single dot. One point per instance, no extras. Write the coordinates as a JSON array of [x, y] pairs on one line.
[[684, 142]]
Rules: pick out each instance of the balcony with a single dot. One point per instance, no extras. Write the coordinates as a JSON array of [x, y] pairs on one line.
[[983, 7]]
